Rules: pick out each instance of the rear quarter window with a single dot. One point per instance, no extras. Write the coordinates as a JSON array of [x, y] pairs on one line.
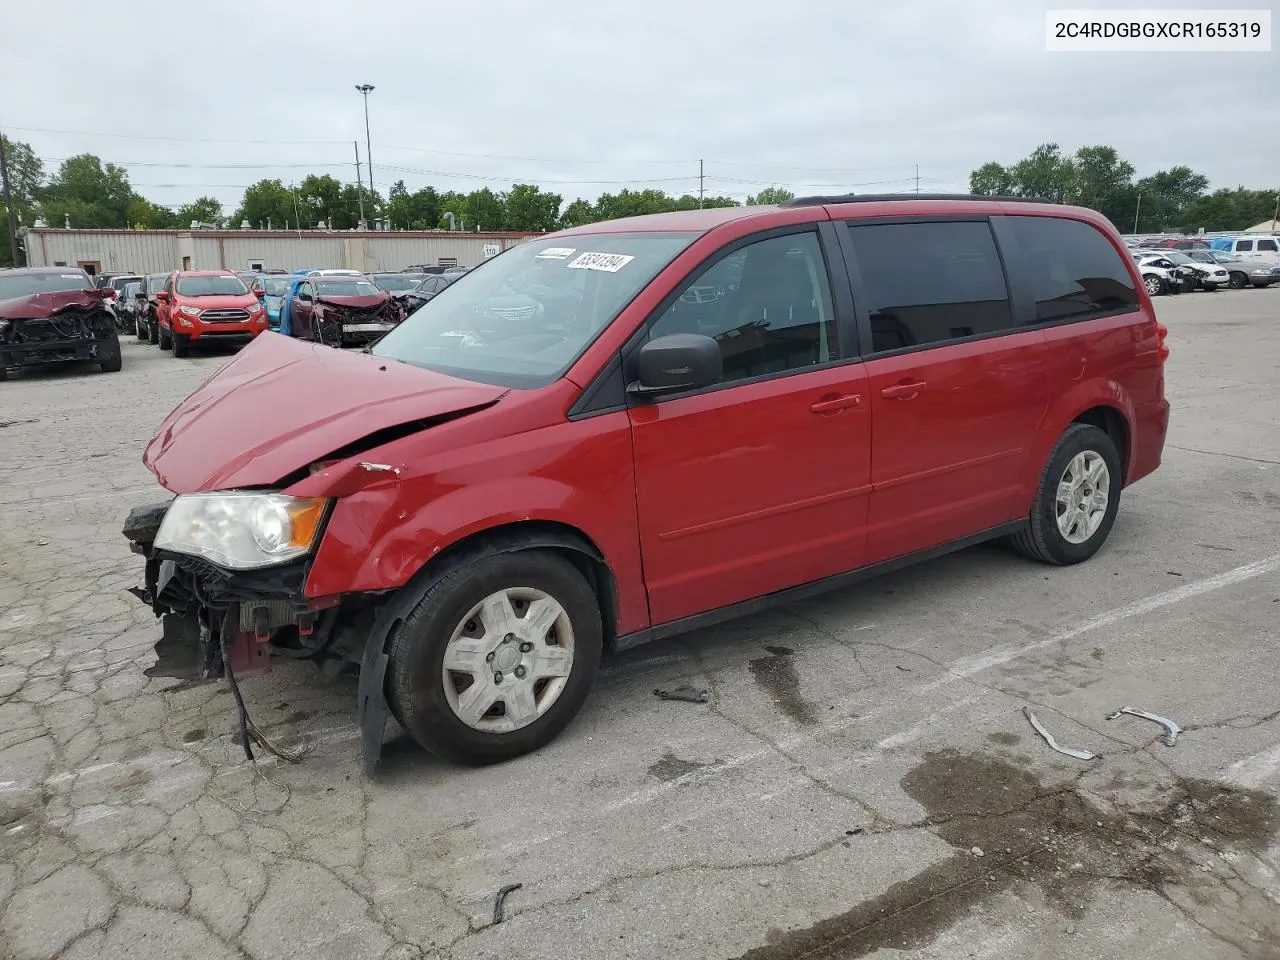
[[1068, 268], [1268, 245]]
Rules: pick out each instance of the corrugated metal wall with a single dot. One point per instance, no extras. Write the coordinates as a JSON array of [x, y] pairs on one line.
[[116, 251], [152, 251]]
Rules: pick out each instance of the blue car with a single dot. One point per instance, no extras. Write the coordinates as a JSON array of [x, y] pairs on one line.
[[275, 287]]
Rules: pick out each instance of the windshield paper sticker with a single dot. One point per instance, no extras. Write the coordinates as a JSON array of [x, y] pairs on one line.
[[608, 262], [556, 253]]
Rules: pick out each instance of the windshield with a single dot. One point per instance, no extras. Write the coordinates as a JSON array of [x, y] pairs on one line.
[[132, 289], [224, 286], [1176, 257], [345, 288], [397, 281], [521, 318], [25, 284], [276, 286]]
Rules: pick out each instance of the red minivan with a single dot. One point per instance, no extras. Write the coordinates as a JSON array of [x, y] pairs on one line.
[[206, 305], [631, 429]]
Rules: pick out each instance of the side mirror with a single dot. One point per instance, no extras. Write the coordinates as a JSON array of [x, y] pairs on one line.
[[260, 293], [105, 293], [676, 362], [162, 296]]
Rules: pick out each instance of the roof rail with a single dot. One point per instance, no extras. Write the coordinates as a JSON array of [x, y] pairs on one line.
[[880, 197]]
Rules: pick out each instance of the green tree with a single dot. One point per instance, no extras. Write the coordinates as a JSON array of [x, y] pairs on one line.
[[200, 210], [1227, 209], [145, 215], [991, 180], [413, 211], [319, 198], [1046, 173], [456, 203], [347, 216], [690, 202], [1102, 181], [484, 210], [91, 194], [26, 176], [769, 196], [525, 207], [578, 213], [267, 201], [1166, 197]]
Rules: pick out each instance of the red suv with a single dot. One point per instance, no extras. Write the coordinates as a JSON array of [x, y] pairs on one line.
[[634, 428], [198, 305]]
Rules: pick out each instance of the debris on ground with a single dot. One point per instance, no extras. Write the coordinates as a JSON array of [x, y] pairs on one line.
[[691, 694], [1171, 728], [977, 852], [1053, 744], [502, 898]]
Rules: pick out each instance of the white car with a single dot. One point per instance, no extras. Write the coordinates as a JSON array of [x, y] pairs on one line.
[[1160, 275], [1208, 276]]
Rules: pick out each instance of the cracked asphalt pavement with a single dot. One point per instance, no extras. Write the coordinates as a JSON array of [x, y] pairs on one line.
[[861, 779]]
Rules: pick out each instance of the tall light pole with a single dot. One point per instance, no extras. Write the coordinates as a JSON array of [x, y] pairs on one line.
[[366, 89]]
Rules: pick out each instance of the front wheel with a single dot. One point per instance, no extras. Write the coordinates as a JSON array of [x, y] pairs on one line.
[[1076, 504], [1154, 285], [497, 657], [1238, 280], [166, 339], [109, 357], [181, 345]]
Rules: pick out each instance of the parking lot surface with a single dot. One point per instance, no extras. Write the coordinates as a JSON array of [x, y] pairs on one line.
[[862, 778]]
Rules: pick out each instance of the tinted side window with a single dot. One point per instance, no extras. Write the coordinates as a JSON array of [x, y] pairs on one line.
[[930, 282], [1267, 245], [767, 304], [1071, 270], [1244, 245]]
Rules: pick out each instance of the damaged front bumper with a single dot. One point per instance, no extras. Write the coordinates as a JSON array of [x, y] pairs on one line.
[[213, 617], [69, 336]]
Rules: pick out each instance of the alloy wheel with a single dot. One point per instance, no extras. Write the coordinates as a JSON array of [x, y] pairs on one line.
[[1083, 496]]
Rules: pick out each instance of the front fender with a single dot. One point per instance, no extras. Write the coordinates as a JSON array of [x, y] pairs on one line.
[[381, 535], [1062, 411]]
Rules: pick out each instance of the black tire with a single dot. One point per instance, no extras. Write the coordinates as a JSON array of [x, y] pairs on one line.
[[1238, 280], [415, 686], [142, 331], [166, 339], [181, 345], [4, 373], [1042, 540], [109, 358], [1155, 285], [1210, 288]]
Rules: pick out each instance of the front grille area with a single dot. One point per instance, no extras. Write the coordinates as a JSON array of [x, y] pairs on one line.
[[232, 315]]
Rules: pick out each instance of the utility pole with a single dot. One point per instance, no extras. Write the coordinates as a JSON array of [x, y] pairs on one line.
[[917, 179], [1136, 212], [8, 204], [1274, 216], [366, 89], [700, 185], [359, 183]]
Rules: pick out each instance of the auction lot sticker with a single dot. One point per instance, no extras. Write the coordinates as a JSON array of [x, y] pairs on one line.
[[556, 253], [608, 262]]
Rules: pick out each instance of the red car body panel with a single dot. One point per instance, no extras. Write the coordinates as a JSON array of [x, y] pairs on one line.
[[273, 409], [40, 305], [698, 502]]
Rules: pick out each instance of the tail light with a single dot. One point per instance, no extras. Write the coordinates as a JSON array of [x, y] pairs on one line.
[[1162, 334]]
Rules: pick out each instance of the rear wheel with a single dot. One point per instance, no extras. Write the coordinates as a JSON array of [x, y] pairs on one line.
[[1238, 280], [181, 345], [166, 339], [1079, 495], [143, 331], [497, 657]]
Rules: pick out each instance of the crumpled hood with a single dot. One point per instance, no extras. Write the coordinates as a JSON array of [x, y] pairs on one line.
[[370, 300], [39, 305], [281, 404]]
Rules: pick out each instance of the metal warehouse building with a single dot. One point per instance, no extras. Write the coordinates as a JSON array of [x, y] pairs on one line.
[[157, 251]]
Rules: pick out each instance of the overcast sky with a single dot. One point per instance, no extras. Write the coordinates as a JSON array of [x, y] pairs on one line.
[[582, 98]]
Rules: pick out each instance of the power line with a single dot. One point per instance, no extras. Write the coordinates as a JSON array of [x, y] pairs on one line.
[[151, 136]]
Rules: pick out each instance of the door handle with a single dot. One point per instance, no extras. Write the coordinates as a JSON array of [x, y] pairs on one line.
[[903, 391], [832, 404]]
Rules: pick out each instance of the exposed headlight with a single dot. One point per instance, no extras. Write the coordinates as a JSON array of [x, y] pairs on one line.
[[241, 531], [190, 311]]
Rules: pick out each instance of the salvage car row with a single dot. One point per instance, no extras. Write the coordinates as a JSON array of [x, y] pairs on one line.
[[337, 307]]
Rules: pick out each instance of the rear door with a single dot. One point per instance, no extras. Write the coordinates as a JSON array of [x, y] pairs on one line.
[[301, 310], [956, 390], [760, 482]]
